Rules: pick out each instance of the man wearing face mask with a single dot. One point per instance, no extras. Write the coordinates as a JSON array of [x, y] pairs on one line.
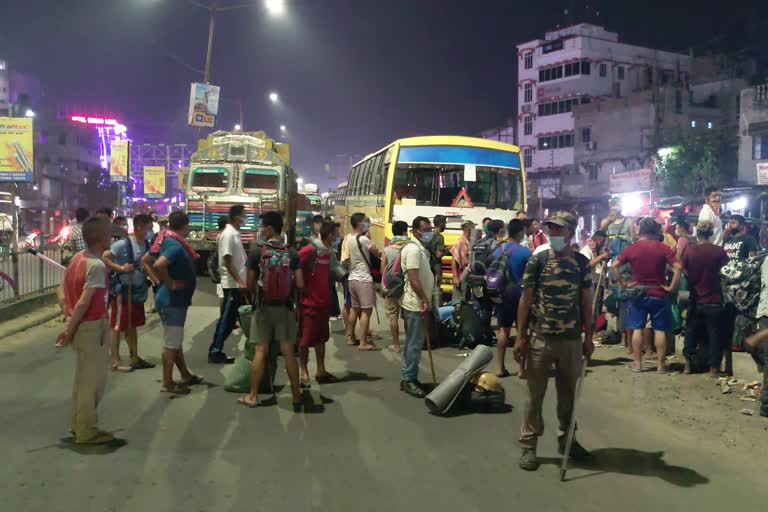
[[738, 244], [556, 298], [362, 289], [711, 212], [416, 302], [435, 242]]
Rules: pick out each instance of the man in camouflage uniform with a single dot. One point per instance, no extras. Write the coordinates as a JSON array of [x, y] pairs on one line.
[[556, 294]]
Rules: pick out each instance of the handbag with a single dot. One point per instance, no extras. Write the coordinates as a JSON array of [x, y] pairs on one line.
[[374, 266]]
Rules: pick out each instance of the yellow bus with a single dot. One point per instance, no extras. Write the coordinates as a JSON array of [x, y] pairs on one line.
[[459, 177]]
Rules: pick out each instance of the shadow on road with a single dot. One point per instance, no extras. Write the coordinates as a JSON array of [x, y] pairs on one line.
[[616, 361], [68, 443], [357, 377], [478, 409], [627, 461]]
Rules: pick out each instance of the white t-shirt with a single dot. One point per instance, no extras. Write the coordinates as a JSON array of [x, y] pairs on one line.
[[358, 268], [230, 243], [707, 213], [586, 251], [415, 256], [541, 248]]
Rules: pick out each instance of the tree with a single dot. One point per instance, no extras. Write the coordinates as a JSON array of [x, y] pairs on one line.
[[691, 160]]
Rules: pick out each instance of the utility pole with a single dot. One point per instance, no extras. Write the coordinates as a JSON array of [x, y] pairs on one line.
[[207, 76]]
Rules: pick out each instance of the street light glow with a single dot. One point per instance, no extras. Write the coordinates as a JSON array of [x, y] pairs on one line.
[[274, 97], [238, 127], [275, 7], [29, 113], [282, 128]]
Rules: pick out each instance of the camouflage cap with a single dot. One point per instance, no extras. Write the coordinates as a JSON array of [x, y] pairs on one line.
[[564, 219]]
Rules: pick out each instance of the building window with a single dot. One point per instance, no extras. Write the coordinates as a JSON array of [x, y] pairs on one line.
[[760, 146], [528, 58], [709, 125], [593, 172], [603, 70], [555, 73], [560, 107], [556, 141], [527, 157], [586, 134], [528, 92], [586, 67], [620, 72], [527, 125], [693, 124]]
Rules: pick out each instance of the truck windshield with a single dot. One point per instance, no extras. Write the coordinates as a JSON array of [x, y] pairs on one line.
[[210, 180], [261, 181]]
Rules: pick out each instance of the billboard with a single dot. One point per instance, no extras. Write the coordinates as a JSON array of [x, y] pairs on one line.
[[16, 150], [762, 173], [154, 181], [203, 105], [630, 181], [119, 161]]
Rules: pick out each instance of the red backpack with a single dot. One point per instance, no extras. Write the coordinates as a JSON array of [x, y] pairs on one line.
[[276, 276]]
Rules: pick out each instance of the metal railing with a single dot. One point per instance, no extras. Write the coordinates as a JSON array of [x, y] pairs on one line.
[[29, 273]]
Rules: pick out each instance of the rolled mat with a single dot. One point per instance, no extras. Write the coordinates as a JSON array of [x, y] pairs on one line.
[[442, 398]]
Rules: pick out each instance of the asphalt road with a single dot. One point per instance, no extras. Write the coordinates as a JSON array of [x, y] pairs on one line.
[[361, 445]]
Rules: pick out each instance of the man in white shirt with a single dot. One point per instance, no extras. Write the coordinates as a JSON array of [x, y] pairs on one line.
[[232, 260], [711, 212], [362, 289], [416, 302], [597, 253]]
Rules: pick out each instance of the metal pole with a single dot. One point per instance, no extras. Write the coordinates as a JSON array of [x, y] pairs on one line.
[[242, 125], [15, 249], [210, 45]]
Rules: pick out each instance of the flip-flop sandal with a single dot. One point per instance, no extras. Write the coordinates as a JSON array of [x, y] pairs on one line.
[[142, 365], [374, 337], [370, 348], [194, 380], [124, 368], [503, 374], [241, 401], [664, 371], [394, 348], [175, 390], [353, 343], [305, 385], [633, 369], [327, 379]]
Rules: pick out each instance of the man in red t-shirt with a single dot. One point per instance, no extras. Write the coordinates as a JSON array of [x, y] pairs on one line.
[[702, 264], [316, 303], [83, 295], [648, 290]]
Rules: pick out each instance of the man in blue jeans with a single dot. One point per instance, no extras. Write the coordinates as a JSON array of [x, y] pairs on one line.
[[648, 290], [416, 302], [232, 269]]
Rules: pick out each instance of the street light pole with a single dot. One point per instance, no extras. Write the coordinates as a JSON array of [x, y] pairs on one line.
[[212, 11]]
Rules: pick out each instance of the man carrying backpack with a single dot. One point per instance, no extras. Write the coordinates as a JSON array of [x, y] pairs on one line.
[[416, 303], [388, 260], [127, 305], [362, 287], [556, 296], [229, 247], [510, 260], [274, 273], [316, 302]]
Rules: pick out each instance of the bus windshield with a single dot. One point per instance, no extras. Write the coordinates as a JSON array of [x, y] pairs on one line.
[[260, 181], [210, 180], [442, 185]]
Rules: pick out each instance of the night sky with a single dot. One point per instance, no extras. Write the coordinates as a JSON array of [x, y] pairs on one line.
[[352, 74]]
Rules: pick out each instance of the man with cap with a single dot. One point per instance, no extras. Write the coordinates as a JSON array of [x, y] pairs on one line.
[[556, 298], [460, 257]]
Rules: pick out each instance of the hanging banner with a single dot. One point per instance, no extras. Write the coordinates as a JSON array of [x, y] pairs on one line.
[[762, 173], [119, 164], [16, 150], [203, 105], [630, 181], [154, 181]]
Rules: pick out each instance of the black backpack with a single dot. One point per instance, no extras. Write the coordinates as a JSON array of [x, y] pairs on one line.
[[114, 286], [473, 325], [213, 265]]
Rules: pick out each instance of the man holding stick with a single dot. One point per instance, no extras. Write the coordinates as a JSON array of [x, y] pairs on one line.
[[556, 293]]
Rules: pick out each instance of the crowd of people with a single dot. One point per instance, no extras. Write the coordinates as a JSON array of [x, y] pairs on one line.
[[539, 280]]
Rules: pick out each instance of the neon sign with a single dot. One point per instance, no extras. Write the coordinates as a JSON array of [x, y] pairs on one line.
[[95, 120]]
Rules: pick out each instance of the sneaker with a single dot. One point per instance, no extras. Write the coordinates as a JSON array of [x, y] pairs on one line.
[[220, 358], [528, 459], [578, 452], [412, 388]]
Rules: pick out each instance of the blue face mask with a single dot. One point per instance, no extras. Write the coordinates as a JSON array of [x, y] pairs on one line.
[[557, 243], [365, 228], [426, 238]]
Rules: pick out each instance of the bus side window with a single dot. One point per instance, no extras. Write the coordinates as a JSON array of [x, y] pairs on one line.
[[354, 189], [366, 178], [376, 175]]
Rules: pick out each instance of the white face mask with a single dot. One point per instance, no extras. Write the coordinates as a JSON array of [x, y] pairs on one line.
[[558, 243]]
